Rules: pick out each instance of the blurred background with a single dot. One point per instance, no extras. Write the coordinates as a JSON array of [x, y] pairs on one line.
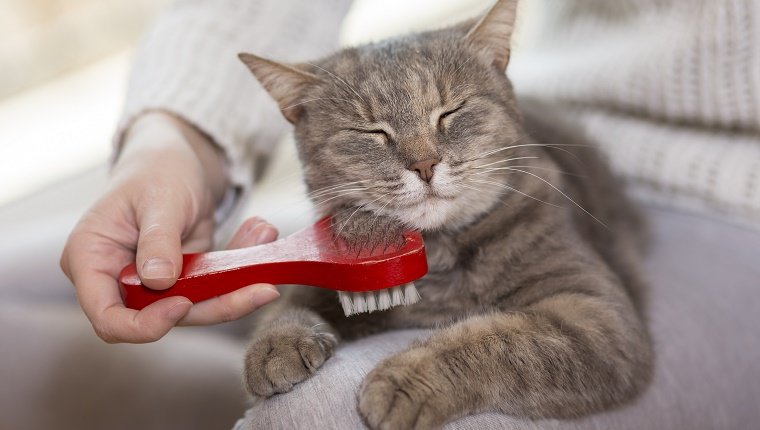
[[63, 69], [64, 66]]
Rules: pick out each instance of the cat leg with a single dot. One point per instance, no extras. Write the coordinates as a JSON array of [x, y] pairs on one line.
[[564, 356], [287, 350]]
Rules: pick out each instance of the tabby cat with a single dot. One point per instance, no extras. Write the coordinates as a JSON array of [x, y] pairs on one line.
[[533, 250]]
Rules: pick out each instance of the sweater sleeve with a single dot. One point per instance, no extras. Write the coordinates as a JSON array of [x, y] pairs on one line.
[[188, 65], [669, 91]]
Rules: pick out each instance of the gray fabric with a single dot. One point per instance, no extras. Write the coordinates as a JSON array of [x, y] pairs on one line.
[[56, 374], [704, 312]]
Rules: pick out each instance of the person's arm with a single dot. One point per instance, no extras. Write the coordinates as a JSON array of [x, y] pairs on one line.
[[192, 113], [188, 65]]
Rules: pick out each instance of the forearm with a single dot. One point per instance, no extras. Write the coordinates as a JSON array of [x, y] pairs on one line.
[[188, 66], [156, 135]]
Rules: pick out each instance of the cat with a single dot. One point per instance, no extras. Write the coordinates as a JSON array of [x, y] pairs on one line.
[[534, 288]]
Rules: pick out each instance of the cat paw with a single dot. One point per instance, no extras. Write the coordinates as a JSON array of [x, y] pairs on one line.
[[405, 391], [284, 356]]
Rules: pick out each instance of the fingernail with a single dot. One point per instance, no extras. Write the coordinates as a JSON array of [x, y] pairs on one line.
[[178, 310], [264, 294], [158, 268], [266, 234]]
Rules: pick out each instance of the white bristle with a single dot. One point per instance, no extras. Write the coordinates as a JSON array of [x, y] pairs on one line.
[[410, 294], [370, 301], [397, 297], [345, 302], [360, 305], [383, 300]]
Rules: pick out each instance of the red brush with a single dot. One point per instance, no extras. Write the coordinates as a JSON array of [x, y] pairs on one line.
[[365, 282]]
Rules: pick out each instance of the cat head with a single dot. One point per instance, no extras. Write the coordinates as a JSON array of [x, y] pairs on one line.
[[403, 127]]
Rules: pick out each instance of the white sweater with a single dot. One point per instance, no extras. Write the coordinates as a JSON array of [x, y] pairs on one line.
[[669, 89]]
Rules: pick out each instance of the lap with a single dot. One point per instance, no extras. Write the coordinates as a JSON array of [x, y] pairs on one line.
[[703, 320]]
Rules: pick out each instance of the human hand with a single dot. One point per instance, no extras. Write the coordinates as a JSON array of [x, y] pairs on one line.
[[159, 204]]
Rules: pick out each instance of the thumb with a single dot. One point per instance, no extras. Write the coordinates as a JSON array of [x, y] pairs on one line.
[[159, 245]]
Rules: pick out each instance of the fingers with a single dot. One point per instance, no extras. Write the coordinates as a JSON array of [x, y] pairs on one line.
[[231, 306], [119, 324], [159, 246], [239, 303], [254, 231], [93, 263]]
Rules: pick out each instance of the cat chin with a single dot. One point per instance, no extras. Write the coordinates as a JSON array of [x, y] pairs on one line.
[[437, 214], [431, 214]]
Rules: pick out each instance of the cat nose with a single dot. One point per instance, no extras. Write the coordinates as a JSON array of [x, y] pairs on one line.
[[424, 168]]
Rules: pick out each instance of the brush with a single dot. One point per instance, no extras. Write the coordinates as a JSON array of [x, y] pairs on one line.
[[365, 280]]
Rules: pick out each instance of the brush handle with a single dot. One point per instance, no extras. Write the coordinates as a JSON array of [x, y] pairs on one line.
[[312, 256]]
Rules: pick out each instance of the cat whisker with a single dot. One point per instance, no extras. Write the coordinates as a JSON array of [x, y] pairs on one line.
[[518, 191], [568, 153], [478, 190], [331, 188], [503, 148], [328, 194], [317, 204], [379, 212], [339, 191], [490, 153], [486, 154], [496, 169], [527, 145], [564, 195], [504, 161], [300, 209], [464, 167]]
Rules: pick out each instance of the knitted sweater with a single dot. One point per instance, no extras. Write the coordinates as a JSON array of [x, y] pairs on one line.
[[668, 89]]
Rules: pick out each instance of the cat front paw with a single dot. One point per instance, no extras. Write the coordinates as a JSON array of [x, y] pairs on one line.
[[406, 391], [284, 356]]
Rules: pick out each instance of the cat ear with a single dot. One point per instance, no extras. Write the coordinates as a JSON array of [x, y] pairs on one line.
[[285, 83], [493, 32]]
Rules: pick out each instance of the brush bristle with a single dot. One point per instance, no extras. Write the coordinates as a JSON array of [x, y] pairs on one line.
[[380, 300]]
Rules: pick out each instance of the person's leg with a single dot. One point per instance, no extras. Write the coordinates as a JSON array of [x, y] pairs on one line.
[[703, 317], [328, 399], [56, 374]]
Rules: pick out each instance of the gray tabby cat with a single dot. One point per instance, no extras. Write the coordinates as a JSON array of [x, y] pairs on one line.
[[535, 300]]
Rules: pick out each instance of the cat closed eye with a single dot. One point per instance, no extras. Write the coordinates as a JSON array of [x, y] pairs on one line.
[[375, 132], [445, 115]]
